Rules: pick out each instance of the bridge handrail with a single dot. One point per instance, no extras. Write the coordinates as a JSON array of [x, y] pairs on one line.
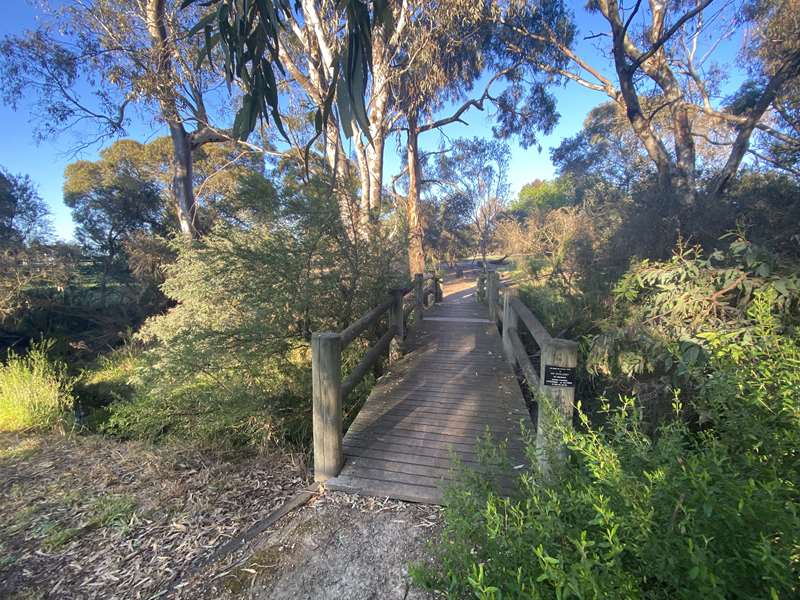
[[554, 382], [328, 389]]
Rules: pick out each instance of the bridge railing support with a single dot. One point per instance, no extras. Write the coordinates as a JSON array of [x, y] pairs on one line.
[[480, 287], [419, 294], [398, 319], [492, 292], [556, 399], [326, 382], [329, 389], [554, 381]]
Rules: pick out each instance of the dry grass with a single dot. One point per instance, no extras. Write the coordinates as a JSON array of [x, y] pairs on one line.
[[84, 517]]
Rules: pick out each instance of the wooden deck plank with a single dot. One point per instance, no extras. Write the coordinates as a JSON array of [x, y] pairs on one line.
[[477, 429], [411, 406], [433, 406], [468, 440]]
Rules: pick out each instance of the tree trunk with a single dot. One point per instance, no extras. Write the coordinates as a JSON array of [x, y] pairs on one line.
[[379, 103], [349, 213], [182, 187], [182, 192], [363, 174], [416, 254], [788, 71], [375, 173]]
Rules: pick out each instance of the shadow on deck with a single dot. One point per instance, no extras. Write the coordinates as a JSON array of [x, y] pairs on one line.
[[452, 387]]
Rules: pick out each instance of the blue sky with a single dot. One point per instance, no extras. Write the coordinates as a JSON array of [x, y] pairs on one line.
[[45, 162]]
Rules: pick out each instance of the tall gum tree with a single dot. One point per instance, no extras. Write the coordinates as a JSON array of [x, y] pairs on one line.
[[132, 55], [311, 48], [669, 47], [452, 47]]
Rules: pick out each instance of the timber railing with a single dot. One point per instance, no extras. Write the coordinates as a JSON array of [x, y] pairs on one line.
[[329, 390], [549, 370]]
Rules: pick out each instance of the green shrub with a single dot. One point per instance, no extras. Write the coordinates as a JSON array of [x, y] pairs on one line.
[[684, 512], [229, 364], [35, 392], [228, 416], [105, 381], [656, 336]]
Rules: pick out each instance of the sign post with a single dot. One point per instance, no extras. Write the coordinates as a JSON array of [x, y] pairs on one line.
[[556, 399]]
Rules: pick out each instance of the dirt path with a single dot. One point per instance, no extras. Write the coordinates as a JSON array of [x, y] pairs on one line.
[[338, 546], [87, 517]]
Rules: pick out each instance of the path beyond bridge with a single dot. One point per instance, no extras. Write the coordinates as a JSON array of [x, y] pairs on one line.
[[453, 386]]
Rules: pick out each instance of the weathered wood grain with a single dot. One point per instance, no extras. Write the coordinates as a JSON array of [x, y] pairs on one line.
[[430, 410]]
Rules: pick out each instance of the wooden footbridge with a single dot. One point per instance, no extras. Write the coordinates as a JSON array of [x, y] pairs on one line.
[[456, 381]]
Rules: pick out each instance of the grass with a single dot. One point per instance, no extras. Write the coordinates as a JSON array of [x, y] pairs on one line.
[[112, 511], [59, 536], [22, 449], [35, 393], [6, 558]]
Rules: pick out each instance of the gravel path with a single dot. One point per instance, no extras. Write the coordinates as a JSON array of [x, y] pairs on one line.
[[337, 546]]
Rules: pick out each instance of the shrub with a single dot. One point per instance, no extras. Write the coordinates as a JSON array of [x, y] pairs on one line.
[[679, 513], [656, 336], [106, 380], [229, 364], [35, 393], [219, 414]]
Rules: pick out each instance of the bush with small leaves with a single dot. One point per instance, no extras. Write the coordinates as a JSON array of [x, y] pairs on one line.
[[679, 513]]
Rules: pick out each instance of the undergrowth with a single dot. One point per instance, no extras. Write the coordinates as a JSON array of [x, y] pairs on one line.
[[35, 392], [677, 512]]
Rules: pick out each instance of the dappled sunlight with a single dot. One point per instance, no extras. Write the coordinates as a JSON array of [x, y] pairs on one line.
[[261, 255], [18, 446]]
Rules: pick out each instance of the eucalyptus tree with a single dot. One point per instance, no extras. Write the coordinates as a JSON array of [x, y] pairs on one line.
[[668, 50], [98, 61], [27, 257], [442, 65], [311, 45], [112, 199], [24, 216], [477, 170], [453, 46], [327, 49], [605, 150]]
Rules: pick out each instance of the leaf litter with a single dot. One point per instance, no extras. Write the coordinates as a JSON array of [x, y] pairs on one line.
[[88, 517]]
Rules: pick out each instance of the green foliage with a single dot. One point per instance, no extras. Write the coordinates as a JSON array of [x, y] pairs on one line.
[[235, 27], [115, 196], [472, 179], [665, 313], [35, 392], [114, 511], [24, 217], [543, 195], [229, 364], [108, 379], [682, 513]]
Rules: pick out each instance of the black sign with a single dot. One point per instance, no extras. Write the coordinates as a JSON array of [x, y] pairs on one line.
[[559, 376]]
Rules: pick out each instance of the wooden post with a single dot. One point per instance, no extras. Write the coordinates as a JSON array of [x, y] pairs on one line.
[[438, 292], [397, 318], [419, 294], [556, 399], [492, 285], [326, 381], [480, 288], [510, 322]]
